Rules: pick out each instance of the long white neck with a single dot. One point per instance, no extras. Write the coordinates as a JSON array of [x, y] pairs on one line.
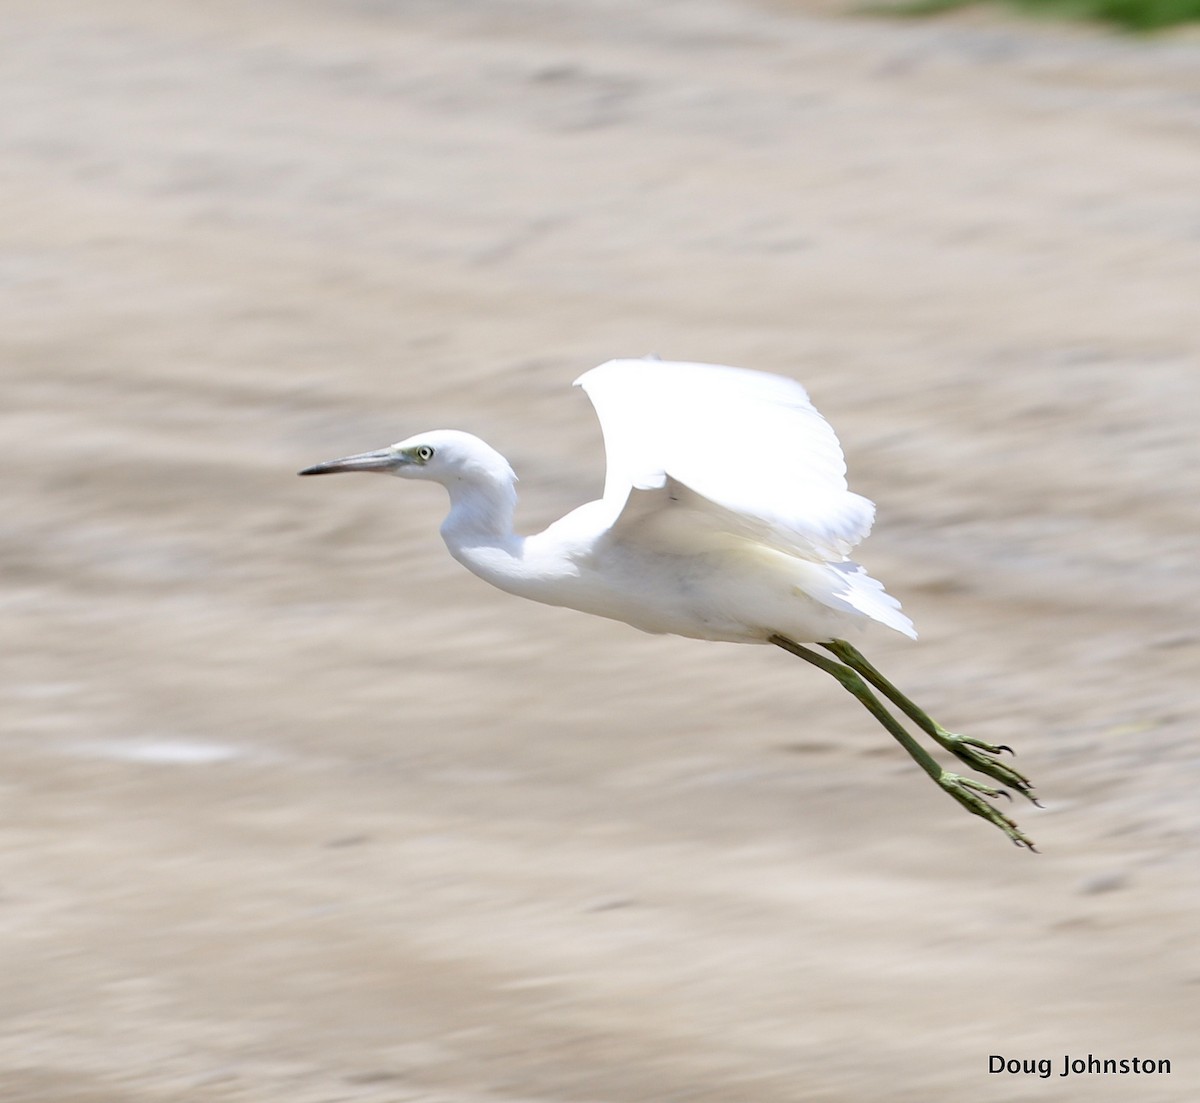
[[479, 532], [479, 528], [481, 510]]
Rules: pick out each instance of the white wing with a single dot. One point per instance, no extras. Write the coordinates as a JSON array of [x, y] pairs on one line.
[[744, 447]]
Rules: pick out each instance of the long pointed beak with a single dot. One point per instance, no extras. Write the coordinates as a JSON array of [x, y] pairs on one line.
[[384, 460]]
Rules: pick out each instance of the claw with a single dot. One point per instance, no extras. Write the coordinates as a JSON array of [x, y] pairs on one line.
[[977, 755], [981, 744], [1005, 794], [965, 790], [1005, 747]]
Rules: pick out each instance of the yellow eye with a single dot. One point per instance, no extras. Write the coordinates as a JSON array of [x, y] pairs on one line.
[[424, 453]]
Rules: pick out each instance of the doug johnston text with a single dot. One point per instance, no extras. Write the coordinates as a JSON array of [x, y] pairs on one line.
[[1077, 1066]]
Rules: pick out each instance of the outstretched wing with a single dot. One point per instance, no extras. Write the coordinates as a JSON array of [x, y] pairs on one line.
[[745, 447]]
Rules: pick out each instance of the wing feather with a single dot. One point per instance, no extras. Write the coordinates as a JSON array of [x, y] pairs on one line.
[[749, 446]]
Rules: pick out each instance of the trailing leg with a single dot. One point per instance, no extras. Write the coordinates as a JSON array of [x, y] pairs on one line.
[[968, 792], [974, 752]]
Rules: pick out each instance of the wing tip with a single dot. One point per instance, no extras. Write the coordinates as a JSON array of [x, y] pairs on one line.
[[649, 358]]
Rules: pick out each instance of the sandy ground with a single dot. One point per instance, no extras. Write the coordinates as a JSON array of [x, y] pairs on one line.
[[295, 810]]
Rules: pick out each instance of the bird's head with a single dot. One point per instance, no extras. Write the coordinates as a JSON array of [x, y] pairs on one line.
[[446, 456]]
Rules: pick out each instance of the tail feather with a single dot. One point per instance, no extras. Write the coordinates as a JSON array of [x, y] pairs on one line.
[[848, 586]]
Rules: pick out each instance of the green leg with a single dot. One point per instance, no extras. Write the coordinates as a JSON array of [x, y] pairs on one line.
[[968, 792], [974, 752]]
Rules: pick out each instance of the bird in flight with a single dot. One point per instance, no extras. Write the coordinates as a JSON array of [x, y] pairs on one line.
[[725, 516]]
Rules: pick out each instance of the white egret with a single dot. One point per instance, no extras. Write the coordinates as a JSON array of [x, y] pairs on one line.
[[725, 516]]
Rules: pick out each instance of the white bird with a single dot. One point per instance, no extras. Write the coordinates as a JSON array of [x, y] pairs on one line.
[[725, 516]]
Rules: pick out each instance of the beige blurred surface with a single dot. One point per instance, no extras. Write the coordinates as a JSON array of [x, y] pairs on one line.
[[294, 809]]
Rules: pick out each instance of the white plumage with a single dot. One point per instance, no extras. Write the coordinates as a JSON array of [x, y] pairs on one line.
[[725, 516], [727, 464], [746, 441]]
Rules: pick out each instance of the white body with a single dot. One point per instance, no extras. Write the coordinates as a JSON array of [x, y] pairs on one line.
[[725, 513], [724, 589]]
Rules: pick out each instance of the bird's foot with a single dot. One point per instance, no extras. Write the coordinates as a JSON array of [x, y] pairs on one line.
[[970, 793], [980, 756]]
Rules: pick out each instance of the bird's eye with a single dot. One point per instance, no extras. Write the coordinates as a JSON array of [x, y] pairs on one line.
[[424, 453]]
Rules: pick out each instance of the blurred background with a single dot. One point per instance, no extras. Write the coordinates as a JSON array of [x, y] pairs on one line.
[[295, 809]]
